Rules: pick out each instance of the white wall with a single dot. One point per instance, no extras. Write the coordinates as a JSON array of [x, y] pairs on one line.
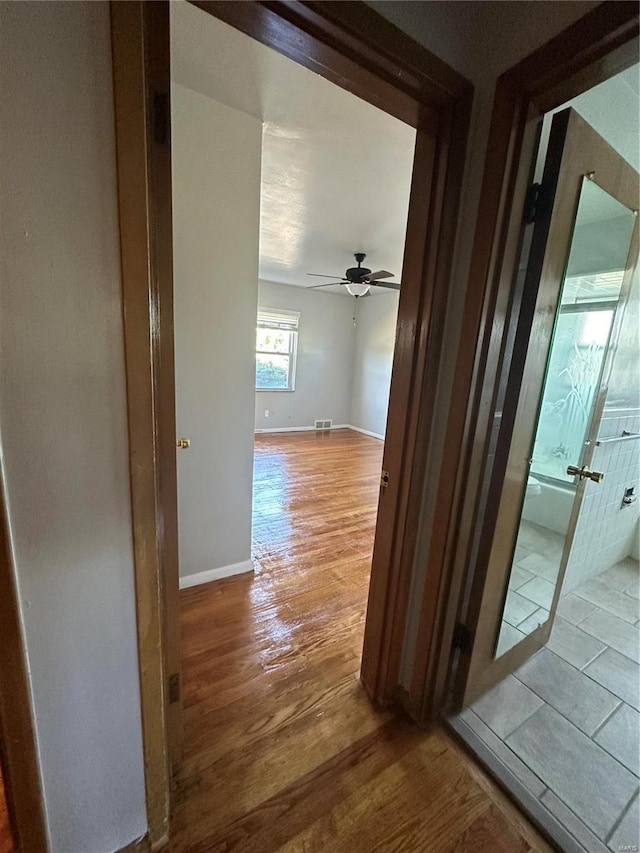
[[325, 359], [606, 531], [64, 419], [216, 220], [373, 359]]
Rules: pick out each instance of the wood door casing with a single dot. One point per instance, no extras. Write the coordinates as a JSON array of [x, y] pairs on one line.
[[575, 150]]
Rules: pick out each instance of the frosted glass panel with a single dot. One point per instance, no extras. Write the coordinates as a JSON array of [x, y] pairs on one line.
[[588, 299], [573, 378]]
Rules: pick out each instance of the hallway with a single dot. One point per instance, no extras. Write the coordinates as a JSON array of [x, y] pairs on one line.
[[283, 750]]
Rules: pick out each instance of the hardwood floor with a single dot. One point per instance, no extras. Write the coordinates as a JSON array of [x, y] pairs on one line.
[[283, 750], [6, 843]]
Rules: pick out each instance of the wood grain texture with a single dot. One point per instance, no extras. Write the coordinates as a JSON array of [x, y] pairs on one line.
[[283, 749], [138, 198], [6, 842]]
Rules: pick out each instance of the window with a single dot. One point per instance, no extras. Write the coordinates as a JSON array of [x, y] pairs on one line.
[[276, 345]]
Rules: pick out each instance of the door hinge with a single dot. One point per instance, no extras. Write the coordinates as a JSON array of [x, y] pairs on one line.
[[532, 203], [462, 638], [161, 117], [384, 479], [174, 688]]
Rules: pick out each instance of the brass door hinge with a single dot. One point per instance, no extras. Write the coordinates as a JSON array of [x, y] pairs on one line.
[[463, 638], [161, 117], [174, 688]]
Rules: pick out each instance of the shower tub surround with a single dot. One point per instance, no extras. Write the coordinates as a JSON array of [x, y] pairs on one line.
[[607, 530]]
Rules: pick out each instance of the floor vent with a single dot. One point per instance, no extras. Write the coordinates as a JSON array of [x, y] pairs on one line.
[[323, 424]]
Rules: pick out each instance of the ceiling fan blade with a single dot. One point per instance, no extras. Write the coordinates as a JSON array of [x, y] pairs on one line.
[[328, 284], [392, 285], [374, 276], [320, 275]]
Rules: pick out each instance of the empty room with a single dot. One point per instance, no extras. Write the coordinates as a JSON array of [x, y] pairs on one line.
[[290, 200]]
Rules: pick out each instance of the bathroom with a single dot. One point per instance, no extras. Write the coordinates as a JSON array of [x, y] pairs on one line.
[[553, 694]]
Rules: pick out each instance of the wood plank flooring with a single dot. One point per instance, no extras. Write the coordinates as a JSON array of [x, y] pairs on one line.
[[6, 842], [283, 750]]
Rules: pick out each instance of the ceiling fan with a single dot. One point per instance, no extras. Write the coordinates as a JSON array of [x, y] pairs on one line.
[[359, 280]]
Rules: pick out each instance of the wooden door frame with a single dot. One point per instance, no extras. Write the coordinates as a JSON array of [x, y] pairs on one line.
[[601, 44], [353, 46]]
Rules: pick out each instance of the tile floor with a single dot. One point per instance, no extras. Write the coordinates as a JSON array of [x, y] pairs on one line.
[[567, 723], [531, 583]]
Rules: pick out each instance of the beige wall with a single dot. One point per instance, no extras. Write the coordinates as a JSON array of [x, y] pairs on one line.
[[216, 220], [64, 420]]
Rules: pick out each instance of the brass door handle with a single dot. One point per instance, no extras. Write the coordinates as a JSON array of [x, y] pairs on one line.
[[183, 443], [585, 474]]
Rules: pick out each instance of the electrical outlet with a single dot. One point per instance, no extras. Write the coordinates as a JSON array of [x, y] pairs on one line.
[[629, 497], [267, 413]]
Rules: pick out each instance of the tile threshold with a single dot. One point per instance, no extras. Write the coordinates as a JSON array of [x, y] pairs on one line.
[[535, 810]]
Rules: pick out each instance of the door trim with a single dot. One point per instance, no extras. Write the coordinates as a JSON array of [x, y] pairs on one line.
[[140, 48], [601, 44], [351, 45]]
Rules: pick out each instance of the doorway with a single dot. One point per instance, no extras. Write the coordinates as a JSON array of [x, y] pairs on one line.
[[552, 689], [270, 184], [321, 39]]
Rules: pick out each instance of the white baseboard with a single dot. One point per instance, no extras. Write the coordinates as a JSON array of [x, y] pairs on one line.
[[365, 431], [215, 574], [301, 429]]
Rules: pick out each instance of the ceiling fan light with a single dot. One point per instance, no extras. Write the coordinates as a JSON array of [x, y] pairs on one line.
[[358, 288]]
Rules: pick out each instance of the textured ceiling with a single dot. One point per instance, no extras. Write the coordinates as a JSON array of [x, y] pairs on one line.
[[336, 171]]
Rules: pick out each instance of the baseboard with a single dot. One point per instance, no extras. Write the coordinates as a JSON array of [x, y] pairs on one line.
[[216, 574], [365, 431], [301, 429], [313, 429]]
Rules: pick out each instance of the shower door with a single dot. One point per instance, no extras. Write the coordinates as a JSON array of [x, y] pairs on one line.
[[581, 262]]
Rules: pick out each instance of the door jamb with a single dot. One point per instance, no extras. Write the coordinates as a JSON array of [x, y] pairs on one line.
[[601, 44], [352, 45]]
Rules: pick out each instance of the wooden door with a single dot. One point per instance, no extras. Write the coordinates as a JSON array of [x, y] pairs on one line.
[[574, 293]]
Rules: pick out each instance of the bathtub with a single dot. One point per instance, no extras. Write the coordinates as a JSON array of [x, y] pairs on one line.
[[549, 505]]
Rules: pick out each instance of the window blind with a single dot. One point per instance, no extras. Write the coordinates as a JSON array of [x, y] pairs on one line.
[[275, 318]]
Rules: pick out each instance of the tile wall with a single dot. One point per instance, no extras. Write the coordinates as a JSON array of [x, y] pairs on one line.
[[606, 531]]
